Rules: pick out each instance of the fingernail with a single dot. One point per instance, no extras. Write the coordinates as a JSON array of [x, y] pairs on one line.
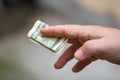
[[79, 55]]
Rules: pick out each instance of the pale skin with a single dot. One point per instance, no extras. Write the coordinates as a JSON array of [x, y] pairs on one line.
[[89, 43]]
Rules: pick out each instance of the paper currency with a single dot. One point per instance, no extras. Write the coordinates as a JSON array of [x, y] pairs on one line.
[[52, 43]]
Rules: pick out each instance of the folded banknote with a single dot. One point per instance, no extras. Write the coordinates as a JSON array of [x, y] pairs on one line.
[[52, 43]]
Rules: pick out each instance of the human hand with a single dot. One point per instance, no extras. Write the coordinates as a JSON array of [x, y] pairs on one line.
[[89, 43]]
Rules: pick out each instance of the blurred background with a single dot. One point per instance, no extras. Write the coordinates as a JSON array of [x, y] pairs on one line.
[[21, 59]]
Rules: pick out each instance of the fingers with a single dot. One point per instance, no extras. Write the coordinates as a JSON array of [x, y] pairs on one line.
[[85, 54], [88, 49], [77, 35], [61, 31], [78, 32], [67, 56], [82, 64]]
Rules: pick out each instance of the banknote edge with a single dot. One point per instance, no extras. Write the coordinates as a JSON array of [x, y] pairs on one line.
[[60, 48], [33, 28], [38, 43], [62, 45], [59, 44]]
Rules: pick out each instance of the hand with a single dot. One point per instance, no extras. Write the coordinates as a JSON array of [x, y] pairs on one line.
[[89, 43]]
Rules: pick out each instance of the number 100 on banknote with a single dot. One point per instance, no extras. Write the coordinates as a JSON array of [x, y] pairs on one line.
[[52, 43]]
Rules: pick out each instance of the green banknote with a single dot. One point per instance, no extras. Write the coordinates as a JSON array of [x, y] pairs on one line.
[[52, 43]]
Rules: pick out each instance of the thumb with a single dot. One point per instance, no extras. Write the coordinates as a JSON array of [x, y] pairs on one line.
[[89, 49]]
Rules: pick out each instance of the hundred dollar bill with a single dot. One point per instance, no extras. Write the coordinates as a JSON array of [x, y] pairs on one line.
[[52, 43]]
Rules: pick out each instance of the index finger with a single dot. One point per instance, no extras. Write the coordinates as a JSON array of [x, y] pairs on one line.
[[61, 31]]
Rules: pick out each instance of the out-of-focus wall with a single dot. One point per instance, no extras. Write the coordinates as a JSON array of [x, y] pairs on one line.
[[0, 4], [78, 13], [102, 6]]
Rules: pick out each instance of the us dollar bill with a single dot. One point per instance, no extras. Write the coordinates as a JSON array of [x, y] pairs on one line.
[[52, 43]]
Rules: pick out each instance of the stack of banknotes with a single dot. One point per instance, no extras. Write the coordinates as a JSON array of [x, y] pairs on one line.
[[52, 43]]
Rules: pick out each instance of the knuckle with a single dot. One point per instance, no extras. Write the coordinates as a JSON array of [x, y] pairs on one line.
[[90, 48], [88, 45]]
